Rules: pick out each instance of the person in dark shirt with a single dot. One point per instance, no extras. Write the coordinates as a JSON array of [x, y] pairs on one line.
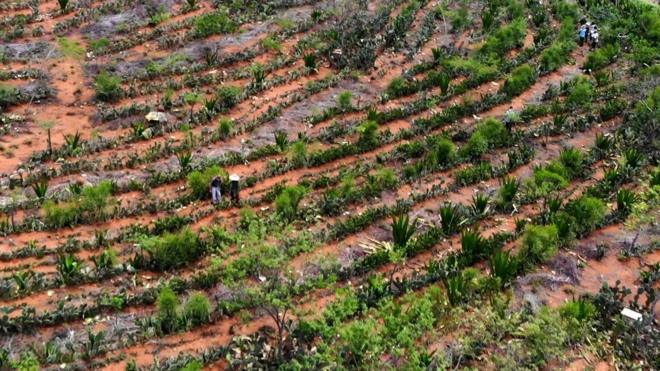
[[215, 190], [233, 188]]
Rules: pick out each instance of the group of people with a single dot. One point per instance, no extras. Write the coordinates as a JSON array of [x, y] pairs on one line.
[[588, 33], [216, 184]]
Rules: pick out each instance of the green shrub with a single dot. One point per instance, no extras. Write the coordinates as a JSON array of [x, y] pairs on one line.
[[99, 44], [228, 96], [506, 195], [167, 309], [108, 88], [505, 38], [9, 96], [588, 213], [197, 309], [473, 246], [555, 56], [172, 250], [602, 57], [225, 127], [368, 131], [214, 23], [579, 316], [573, 161], [521, 78], [345, 100], [565, 224], [444, 151], [539, 244], [581, 93], [288, 200], [271, 43], [476, 146], [494, 132], [551, 177], [61, 215], [199, 181], [544, 339], [193, 365], [625, 199]]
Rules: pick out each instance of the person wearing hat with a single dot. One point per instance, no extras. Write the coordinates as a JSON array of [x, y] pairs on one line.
[[215, 190], [233, 188], [594, 37]]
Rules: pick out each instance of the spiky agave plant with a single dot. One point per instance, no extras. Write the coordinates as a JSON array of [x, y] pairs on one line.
[[625, 199], [503, 266], [63, 5], [508, 190], [473, 245], [451, 218], [185, 161], [480, 205], [402, 229], [40, 189], [69, 268]]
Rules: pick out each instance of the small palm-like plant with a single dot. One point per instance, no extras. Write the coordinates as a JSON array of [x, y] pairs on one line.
[[22, 280], [503, 266], [191, 4], [105, 261], [281, 140], [480, 205], [368, 131], [553, 204], [438, 55], [509, 187], [101, 238], [63, 5], [444, 81], [603, 145], [625, 199], [344, 101], [185, 161], [191, 99], [573, 161], [631, 158], [456, 289], [94, 344], [451, 219], [402, 229], [75, 189], [310, 62], [473, 245], [225, 127], [73, 143], [258, 75], [69, 268], [40, 189]]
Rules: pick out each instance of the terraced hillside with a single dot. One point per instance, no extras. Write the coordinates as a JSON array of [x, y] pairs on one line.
[[423, 184]]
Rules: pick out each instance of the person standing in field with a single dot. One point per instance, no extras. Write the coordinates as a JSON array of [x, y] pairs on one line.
[[234, 189], [215, 190], [509, 117]]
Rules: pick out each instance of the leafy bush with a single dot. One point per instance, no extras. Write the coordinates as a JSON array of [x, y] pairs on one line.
[[494, 132], [225, 127], [573, 161], [579, 315], [228, 96], [351, 43], [588, 213], [199, 181], [288, 200], [550, 177], [555, 56], [197, 310], [368, 131], [172, 250], [505, 38], [108, 88], [444, 151], [602, 57], [214, 23], [521, 78], [167, 309], [475, 147], [345, 100], [581, 93], [9, 96], [539, 244]]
